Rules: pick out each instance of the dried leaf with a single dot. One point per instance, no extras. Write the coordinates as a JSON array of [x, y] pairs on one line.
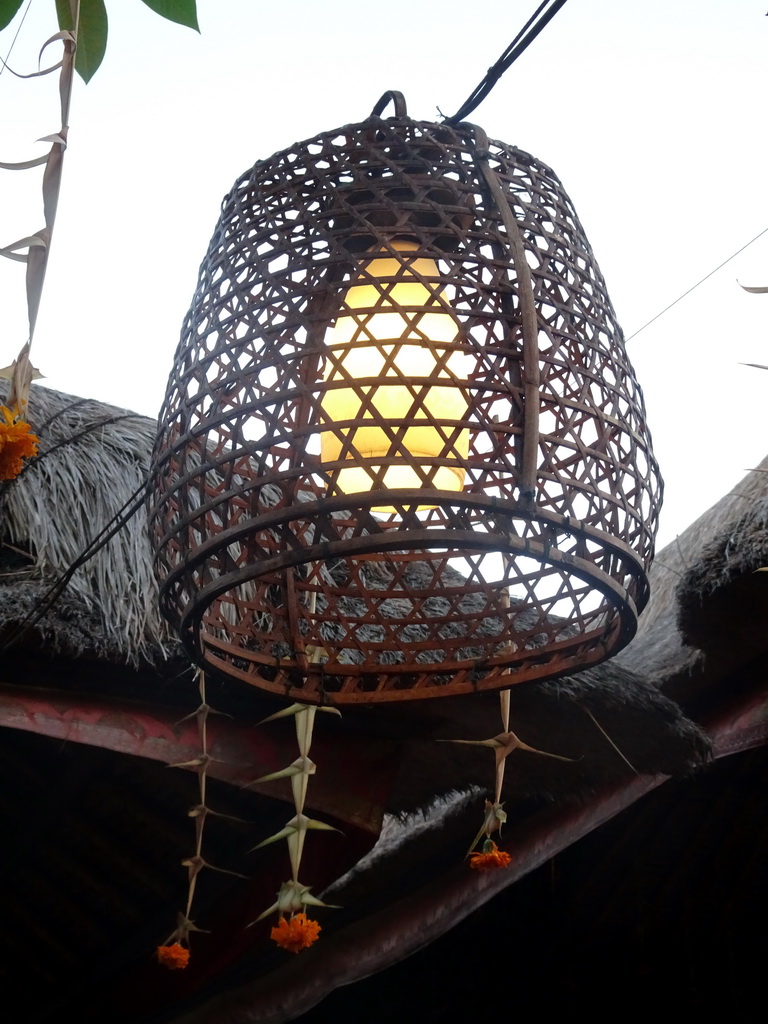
[[296, 847], [196, 762], [196, 865], [43, 71], [292, 709], [266, 913], [305, 722], [283, 773], [291, 898], [225, 871], [32, 74], [504, 709], [295, 709], [20, 373], [201, 810], [313, 823], [52, 183], [474, 743], [284, 833], [24, 165], [65, 36], [31, 241], [56, 137], [183, 928], [544, 753], [302, 824], [494, 817], [201, 713], [300, 781], [6, 372], [312, 901], [37, 261]]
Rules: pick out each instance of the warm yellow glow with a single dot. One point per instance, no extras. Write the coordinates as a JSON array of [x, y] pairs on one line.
[[384, 331]]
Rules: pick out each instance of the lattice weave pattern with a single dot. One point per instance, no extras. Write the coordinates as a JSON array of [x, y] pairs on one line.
[[398, 456]]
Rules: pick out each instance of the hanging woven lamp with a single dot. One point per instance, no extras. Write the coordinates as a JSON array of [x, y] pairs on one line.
[[402, 452]]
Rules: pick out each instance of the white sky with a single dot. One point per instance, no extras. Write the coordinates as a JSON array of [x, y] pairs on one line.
[[653, 114]]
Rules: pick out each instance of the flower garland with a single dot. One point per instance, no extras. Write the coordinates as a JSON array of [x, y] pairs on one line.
[[17, 443], [295, 933], [174, 953], [175, 957], [490, 858]]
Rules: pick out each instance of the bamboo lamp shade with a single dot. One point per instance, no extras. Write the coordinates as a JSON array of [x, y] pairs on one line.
[[402, 452]]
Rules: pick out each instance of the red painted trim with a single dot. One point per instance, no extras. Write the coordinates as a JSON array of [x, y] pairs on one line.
[[743, 726], [353, 785]]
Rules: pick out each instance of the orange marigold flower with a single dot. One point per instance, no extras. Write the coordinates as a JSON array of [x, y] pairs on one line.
[[175, 957], [295, 933], [17, 442], [490, 858]]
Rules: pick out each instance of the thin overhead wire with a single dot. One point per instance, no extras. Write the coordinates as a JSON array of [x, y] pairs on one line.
[[540, 18], [4, 60], [694, 286]]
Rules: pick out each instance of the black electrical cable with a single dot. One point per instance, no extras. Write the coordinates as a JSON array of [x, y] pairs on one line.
[[104, 536], [519, 44]]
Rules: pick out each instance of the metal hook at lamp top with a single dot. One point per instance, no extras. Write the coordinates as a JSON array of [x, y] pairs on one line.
[[402, 453]]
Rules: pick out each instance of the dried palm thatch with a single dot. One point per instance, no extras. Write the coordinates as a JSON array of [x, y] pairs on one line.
[[610, 722], [93, 459], [723, 598], [723, 544]]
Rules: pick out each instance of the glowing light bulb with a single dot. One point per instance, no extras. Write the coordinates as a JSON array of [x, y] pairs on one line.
[[394, 338]]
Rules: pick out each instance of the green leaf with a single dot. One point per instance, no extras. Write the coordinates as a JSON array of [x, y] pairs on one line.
[[91, 36], [183, 12], [64, 14], [8, 9]]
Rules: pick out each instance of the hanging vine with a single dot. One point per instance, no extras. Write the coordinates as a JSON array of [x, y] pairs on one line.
[[83, 36]]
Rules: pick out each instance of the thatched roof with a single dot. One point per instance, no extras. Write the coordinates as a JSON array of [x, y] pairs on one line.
[[722, 545], [93, 461], [723, 598], [613, 720]]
